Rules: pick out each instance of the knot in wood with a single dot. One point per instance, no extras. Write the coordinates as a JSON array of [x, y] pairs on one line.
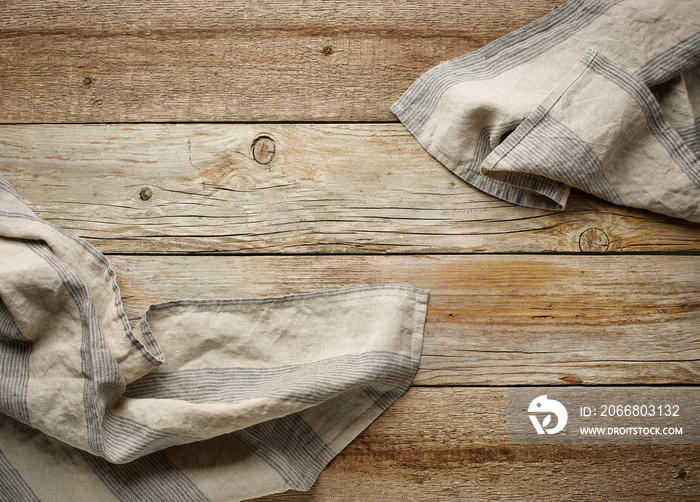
[[146, 193], [593, 240], [263, 149], [87, 81], [327, 50]]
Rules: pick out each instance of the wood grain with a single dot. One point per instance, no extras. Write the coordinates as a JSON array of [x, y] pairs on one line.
[[451, 444], [297, 207], [492, 320], [209, 60], [316, 188]]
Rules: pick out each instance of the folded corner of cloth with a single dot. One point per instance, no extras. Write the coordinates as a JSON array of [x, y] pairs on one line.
[[205, 400], [599, 95]]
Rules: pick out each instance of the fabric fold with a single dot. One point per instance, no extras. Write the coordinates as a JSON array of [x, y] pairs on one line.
[[204, 400], [601, 95], [626, 152]]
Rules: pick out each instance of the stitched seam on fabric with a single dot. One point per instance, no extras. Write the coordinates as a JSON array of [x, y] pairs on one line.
[[470, 173], [524, 133], [564, 157]]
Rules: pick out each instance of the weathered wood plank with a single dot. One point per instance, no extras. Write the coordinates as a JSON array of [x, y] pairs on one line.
[[325, 188], [492, 320], [207, 60], [414, 452]]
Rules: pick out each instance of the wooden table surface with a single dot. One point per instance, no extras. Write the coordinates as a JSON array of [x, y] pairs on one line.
[[232, 149]]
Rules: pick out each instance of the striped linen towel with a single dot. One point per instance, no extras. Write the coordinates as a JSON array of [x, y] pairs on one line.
[[600, 95], [204, 400]]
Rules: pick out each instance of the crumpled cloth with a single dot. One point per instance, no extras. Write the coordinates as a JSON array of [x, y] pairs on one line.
[[205, 400], [600, 95]]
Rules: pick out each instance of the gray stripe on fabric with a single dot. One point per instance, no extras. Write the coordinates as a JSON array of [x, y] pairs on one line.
[[5, 186], [103, 380], [672, 62], [384, 398], [488, 139], [153, 478], [113, 439], [151, 351], [668, 137], [514, 49], [291, 447], [544, 146], [8, 326], [14, 377], [157, 354], [545, 187], [690, 135], [126, 439], [309, 383], [15, 351], [13, 487], [4, 183]]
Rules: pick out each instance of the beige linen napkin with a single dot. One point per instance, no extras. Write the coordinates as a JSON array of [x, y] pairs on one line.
[[601, 95], [206, 400]]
